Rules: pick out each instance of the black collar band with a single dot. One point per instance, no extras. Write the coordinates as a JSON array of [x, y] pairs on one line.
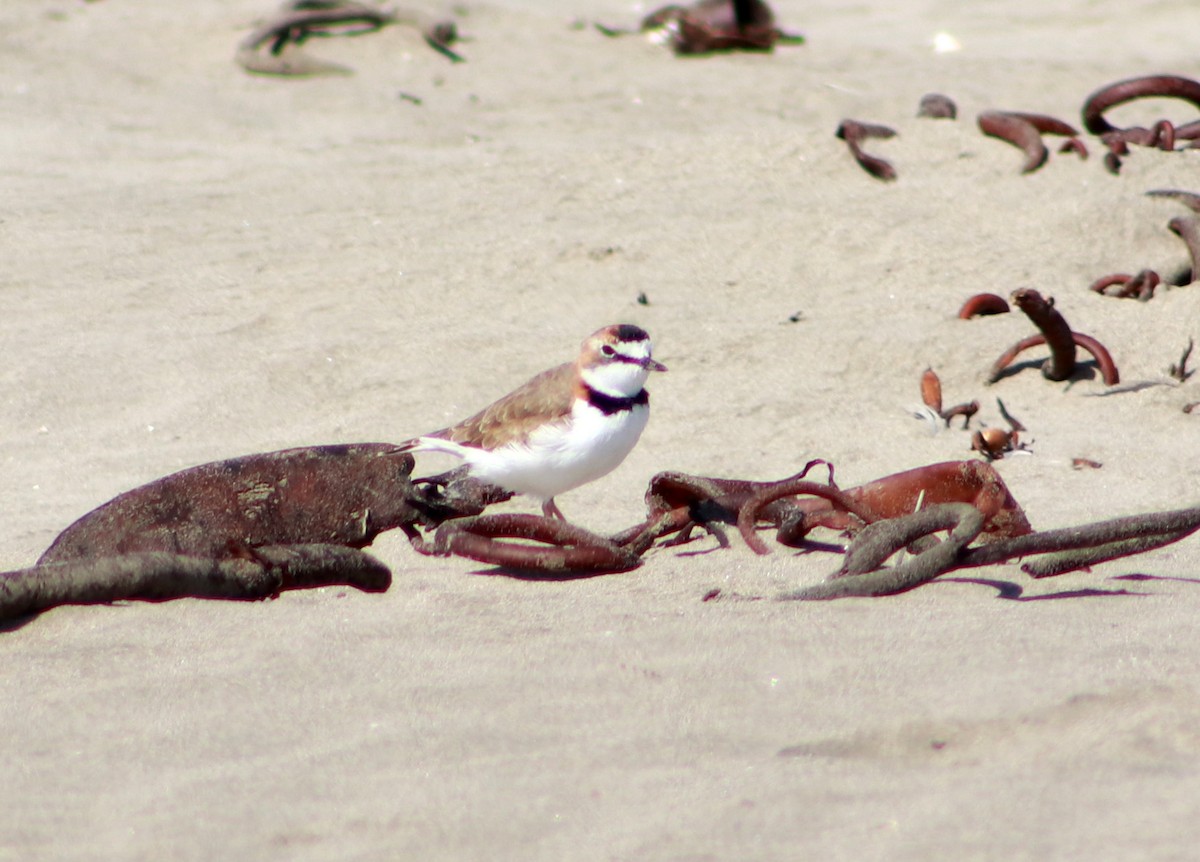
[[610, 404]]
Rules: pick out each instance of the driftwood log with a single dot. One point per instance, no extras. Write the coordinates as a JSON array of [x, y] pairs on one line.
[[246, 528]]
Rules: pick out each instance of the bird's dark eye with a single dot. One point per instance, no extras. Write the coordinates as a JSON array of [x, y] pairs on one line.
[[608, 350]]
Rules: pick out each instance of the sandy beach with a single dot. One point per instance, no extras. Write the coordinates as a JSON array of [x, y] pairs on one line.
[[202, 263]]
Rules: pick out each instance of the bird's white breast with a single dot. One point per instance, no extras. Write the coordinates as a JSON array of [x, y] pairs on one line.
[[564, 455]]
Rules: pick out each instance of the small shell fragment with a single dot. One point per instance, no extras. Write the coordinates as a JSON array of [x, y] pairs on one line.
[[992, 443]]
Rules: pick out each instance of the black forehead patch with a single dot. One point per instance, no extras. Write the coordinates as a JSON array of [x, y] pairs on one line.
[[629, 332]]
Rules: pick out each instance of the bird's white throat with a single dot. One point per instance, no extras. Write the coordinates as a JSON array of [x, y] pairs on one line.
[[618, 379]]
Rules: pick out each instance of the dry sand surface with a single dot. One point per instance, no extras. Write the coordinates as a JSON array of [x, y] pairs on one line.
[[199, 263]]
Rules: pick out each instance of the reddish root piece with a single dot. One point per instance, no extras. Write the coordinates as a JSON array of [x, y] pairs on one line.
[[1104, 360], [795, 506], [983, 304], [1140, 286], [1179, 370], [1009, 356], [546, 545], [854, 133], [720, 25], [1191, 200], [678, 502], [935, 106], [931, 396], [795, 486], [992, 443], [931, 390], [1151, 86], [1189, 132], [1013, 422], [1162, 135], [1104, 282], [1074, 145], [1112, 159], [1188, 230], [900, 494], [1057, 335], [1017, 132], [1046, 125], [1024, 131], [972, 482], [1054, 327], [966, 411]]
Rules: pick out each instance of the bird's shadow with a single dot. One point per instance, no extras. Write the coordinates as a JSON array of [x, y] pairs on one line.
[[528, 575]]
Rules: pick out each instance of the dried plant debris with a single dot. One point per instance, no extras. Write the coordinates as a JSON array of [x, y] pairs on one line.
[[276, 47], [854, 133], [1056, 334], [1179, 370], [710, 26], [1024, 131], [1162, 135], [936, 106]]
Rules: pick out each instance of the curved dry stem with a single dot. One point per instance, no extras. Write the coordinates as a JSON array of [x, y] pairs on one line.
[[558, 547], [1171, 525], [1104, 360], [1018, 132], [793, 487], [1070, 561], [1188, 230], [1057, 335], [1158, 86], [861, 575], [639, 539], [1104, 282], [878, 541], [274, 48], [1024, 131], [1067, 549], [854, 133], [1009, 356], [1041, 311], [1191, 200], [982, 304]]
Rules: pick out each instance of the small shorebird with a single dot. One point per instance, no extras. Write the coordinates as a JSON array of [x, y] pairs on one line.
[[564, 428]]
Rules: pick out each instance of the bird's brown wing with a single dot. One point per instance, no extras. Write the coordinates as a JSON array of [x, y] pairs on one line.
[[545, 398]]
